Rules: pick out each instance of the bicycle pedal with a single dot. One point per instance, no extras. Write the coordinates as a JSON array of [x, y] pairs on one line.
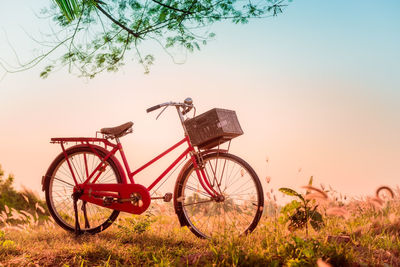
[[167, 197]]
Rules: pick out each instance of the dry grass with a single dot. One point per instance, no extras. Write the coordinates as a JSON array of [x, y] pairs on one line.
[[163, 242], [357, 232]]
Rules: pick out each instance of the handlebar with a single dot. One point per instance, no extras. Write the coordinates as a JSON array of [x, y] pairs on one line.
[[182, 108], [153, 108], [186, 106]]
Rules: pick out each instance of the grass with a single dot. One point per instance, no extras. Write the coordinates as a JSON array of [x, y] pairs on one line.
[[367, 237], [355, 233]]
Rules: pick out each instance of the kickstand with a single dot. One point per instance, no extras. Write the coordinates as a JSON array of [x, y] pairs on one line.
[[75, 196], [87, 225]]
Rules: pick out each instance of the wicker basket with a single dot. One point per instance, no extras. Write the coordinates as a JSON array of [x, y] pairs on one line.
[[213, 128]]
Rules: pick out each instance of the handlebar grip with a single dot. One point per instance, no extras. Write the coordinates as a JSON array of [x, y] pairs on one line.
[[153, 108]]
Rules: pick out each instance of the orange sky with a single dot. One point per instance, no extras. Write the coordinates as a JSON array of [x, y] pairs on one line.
[[320, 98]]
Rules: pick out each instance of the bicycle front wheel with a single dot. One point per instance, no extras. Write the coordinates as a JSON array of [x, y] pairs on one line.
[[238, 209], [59, 186]]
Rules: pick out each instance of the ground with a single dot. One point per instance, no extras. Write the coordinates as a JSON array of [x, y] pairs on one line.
[[368, 236]]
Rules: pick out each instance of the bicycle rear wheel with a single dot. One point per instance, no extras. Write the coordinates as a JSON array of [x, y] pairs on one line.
[[239, 209], [59, 185]]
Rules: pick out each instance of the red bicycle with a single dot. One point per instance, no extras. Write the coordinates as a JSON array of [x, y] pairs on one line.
[[215, 192]]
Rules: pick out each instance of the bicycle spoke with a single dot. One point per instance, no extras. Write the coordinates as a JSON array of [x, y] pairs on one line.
[[93, 217], [198, 191], [242, 190], [222, 174], [77, 176], [234, 210], [214, 175], [199, 202], [64, 182]]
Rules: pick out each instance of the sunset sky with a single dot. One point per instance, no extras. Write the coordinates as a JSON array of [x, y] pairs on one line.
[[316, 90]]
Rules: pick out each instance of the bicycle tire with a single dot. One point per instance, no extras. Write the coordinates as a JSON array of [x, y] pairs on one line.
[[228, 216], [59, 171]]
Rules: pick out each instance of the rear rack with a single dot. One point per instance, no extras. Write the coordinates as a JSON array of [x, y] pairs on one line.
[[82, 140]]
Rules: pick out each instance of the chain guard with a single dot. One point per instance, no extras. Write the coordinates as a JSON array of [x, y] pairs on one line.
[[96, 193]]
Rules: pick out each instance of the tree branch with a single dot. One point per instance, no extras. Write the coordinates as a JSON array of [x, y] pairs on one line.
[[36, 60], [116, 21], [173, 8]]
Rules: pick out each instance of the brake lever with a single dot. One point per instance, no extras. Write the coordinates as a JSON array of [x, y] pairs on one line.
[[159, 114], [187, 110]]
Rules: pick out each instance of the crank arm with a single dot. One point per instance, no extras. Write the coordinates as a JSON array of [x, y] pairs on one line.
[[138, 203]]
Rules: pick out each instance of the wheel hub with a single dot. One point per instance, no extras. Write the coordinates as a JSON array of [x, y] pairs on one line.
[[219, 198]]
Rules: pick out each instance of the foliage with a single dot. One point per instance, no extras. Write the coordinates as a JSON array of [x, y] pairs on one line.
[[135, 224], [25, 201], [70, 9], [299, 251], [6, 246], [299, 213], [93, 36]]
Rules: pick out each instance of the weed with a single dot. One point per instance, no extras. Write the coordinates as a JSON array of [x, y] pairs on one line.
[[133, 225], [301, 213]]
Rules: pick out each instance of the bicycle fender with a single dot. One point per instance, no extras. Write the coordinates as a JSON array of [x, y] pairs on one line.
[[95, 147]]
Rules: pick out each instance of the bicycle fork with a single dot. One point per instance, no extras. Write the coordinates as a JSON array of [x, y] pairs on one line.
[[204, 181]]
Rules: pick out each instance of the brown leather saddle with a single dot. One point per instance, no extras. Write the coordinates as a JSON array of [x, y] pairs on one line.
[[118, 131]]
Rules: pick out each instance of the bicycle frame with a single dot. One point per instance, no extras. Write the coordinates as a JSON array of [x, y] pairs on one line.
[[215, 192], [96, 193]]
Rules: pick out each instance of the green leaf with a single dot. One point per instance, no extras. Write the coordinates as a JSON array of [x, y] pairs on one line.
[[45, 73], [310, 181], [162, 16], [316, 220], [298, 241], [308, 252], [298, 220], [288, 191], [287, 211], [69, 8], [293, 205]]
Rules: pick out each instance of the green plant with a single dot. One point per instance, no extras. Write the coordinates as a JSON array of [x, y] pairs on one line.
[[8, 244], [300, 252], [19, 206], [301, 212], [135, 224]]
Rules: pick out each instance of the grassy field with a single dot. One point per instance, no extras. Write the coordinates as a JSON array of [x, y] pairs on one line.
[[356, 233]]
